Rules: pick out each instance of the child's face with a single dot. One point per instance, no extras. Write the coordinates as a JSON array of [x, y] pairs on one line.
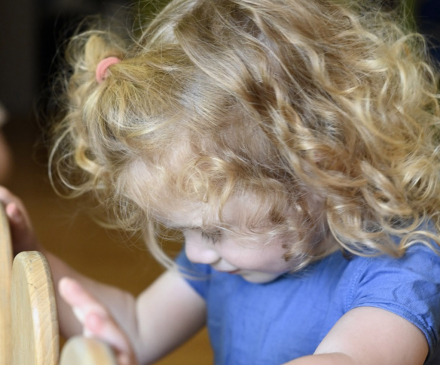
[[256, 257], [253, 256]]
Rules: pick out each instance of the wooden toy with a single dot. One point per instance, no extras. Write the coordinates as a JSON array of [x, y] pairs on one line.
[[5, 289], [35, 339], [28, 318], [86, 351]]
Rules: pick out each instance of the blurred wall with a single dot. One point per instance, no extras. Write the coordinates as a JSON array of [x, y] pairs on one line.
[[18, 54], [30, 33], [428, 19]]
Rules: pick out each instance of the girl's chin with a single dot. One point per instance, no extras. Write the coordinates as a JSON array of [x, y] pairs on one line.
[[259, 277]]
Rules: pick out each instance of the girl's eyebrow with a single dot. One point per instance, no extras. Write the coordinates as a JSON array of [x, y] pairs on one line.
[[207, 229], [185, 227], [181, 228]]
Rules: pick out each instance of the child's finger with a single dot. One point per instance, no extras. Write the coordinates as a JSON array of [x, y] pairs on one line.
[[13, 213], [14, 207], [23, 236], [105, 328], [96, 320], [6, 197], [22, 233], [16, 216], [80, 300]]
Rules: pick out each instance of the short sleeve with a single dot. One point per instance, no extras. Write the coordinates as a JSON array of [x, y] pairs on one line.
[[408, 286], [197, 275]]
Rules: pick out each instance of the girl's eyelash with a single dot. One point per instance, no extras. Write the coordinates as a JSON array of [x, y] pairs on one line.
[[211, 236]]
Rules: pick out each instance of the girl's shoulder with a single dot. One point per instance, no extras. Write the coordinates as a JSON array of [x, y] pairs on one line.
[[408, 286]]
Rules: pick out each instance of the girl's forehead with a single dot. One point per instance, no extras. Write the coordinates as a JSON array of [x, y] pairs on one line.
[[181, 218], [237, 215], [152, 192]]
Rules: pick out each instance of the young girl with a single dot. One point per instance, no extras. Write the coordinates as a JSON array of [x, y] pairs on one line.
[[295, 145]]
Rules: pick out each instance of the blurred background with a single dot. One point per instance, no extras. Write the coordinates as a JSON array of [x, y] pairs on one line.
[[31, 33]]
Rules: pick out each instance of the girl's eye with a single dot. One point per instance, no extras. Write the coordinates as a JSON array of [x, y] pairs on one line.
[[212, 236]]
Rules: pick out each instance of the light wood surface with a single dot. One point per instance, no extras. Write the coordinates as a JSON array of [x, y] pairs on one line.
[[35, 339], [5, 289], [86, 351]]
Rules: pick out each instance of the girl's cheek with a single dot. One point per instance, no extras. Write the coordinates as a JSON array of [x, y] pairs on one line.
[[235, 254]]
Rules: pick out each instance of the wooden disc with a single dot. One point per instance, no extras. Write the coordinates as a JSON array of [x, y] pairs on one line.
[[35, 339], [86, 351], [5, 289]]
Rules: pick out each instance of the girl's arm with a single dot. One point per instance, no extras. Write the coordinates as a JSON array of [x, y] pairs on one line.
[[168, 313], [370, 336]]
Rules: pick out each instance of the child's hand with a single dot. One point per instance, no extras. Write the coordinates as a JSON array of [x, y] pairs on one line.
[[22, 234], [97, 321]]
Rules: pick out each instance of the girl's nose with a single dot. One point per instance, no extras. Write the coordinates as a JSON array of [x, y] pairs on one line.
[[201, 252]]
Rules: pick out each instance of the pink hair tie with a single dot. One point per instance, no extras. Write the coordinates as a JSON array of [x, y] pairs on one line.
[[102, 68]]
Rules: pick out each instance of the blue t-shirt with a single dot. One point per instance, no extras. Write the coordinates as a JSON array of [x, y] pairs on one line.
[[273, 323]]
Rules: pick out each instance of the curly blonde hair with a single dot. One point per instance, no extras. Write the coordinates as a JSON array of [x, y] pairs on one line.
[[326, 114]]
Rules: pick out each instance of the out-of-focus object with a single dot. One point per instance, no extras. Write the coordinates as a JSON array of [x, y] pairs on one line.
[[428, 19], [86, 351], [35, 339], [5, 153], [5, 290]]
